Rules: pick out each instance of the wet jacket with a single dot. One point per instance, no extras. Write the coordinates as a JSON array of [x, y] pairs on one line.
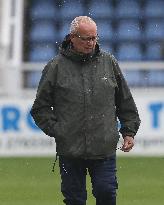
[[78, 101]]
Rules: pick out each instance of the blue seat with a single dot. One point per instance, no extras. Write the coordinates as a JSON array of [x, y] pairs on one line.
[[128, 30], [43, 32], [154, 9], [41, 53], [133, 78], [106, 46], [100, 9], [128, 9], [32, 79], [156, 78], [105, 30], [153, 51], [64, 30], [43, 10], [129, 52], [71, 9], [34, 2], [154, 30]]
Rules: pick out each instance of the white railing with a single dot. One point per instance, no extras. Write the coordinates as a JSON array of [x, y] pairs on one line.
[[13, 76], [148, 65]]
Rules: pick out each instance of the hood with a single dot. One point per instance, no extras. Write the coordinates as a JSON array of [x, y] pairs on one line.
[[65, 49]]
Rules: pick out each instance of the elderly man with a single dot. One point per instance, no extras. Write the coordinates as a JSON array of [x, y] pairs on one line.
[[80, 95]]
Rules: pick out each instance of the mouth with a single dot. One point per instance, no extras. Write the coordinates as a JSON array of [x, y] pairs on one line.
[[89, 48]]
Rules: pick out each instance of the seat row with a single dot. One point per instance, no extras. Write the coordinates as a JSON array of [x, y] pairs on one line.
[[97, 9], [123, 51], [124, 30]]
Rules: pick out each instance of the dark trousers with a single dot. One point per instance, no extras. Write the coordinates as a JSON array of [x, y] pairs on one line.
[[103, 177]]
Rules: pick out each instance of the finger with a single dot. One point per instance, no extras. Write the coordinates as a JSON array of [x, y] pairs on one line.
[[127, 146], [126, 149]]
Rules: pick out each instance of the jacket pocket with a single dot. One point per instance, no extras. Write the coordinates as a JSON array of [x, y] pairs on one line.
[[59, 132]]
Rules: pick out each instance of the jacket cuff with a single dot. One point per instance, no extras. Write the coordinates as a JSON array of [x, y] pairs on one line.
[[129, 134]]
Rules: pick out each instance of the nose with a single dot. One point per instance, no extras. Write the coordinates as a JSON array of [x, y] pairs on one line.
[[90, 42]]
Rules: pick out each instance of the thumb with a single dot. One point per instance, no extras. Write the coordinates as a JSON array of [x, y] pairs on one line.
[[125, 144]]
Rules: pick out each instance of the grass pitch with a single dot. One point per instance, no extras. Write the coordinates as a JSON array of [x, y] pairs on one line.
[[25, 181]]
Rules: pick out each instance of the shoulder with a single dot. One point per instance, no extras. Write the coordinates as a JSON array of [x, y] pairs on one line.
[[52, 65], [113, 61], [108, 56], [54, 61]]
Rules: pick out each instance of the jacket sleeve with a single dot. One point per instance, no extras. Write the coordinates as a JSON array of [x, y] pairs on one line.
[[126, 109], [43, 107]]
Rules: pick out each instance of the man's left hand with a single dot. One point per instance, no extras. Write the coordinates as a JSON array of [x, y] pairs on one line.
[[128, 144]]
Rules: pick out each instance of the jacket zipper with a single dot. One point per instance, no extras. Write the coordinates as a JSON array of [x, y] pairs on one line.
[[84, 98]]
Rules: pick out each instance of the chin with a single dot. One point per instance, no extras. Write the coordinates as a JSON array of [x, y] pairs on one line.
[[88, 51]]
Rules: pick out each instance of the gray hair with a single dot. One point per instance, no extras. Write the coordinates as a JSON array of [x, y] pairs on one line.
[[80, 19]]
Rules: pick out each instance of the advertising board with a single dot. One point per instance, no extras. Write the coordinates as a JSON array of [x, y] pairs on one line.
[[20, 136]]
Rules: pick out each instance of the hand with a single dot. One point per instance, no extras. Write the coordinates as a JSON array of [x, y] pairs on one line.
[[128, 144]]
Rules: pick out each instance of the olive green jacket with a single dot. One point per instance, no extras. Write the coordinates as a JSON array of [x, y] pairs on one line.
[[78, 101]]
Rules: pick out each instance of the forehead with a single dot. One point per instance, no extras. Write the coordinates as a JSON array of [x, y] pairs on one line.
[[87, 29]]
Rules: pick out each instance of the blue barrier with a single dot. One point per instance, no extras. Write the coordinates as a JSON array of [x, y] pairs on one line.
[[11, 117]]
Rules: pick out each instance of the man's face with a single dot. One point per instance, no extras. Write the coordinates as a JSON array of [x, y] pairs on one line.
[[85, 38]]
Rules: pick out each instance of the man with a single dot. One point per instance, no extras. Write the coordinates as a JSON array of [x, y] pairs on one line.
[[81, 93]]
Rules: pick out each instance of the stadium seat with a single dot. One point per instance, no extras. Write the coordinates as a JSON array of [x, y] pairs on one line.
[[154, 30], [128, 30], [70, 9], [153, 51], [128, 9], [41, 53], [129, 52], [105, 30], [133, 78], [64, 30], [43, 10], [32, 79], [154, 9], [43, 31], [100, 9], [106, 46], [156, 78]]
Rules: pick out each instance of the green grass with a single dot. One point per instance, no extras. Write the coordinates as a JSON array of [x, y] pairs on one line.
[[29, 181]]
